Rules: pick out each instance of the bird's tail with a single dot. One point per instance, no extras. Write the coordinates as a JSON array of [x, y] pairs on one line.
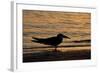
[[38, 40], [35, 38]]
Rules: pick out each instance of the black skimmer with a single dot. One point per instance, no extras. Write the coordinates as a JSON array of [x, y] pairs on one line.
[[53, 41]]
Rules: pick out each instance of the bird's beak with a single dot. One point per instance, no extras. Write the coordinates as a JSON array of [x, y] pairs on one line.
[[66, 36]]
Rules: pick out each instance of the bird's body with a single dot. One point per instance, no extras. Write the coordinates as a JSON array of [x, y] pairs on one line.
[[48, 41], [53, 41]]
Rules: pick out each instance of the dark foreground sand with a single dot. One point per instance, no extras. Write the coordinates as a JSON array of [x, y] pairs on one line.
[[57, 56]]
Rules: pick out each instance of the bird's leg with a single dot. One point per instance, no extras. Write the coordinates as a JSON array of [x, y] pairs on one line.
[[56, 48]]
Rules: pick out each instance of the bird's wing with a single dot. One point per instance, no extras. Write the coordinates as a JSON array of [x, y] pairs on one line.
[[49, 41]]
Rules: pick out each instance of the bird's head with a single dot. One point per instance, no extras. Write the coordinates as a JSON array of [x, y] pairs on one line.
[[62, 36]]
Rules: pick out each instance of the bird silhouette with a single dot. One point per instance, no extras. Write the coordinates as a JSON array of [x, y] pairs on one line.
[[53, 41]]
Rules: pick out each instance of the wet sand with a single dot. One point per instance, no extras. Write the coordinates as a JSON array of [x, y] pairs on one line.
[[57, 56]]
